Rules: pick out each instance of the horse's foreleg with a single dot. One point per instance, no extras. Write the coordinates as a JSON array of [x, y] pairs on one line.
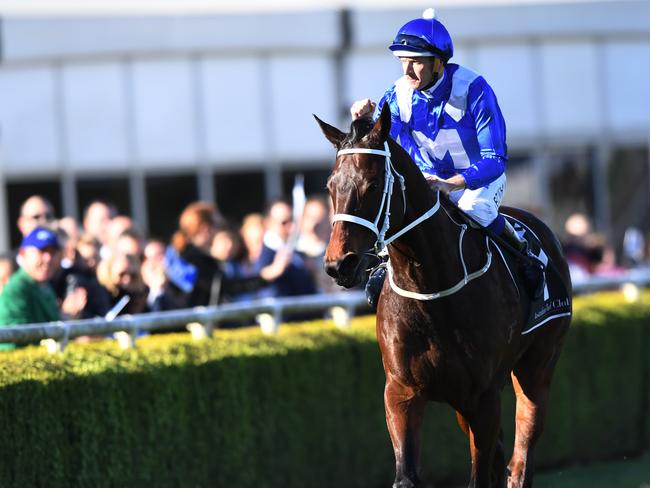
[[498, 476], [404, 414], [498, 462], [485, 427]]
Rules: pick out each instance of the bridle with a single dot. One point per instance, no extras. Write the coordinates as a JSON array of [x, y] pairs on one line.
[[384, 209]]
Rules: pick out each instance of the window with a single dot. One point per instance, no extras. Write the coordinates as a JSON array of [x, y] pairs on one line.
[[628, 177], [315, 181], [167, 196], [570, 184], [113, 190], [239, 194]]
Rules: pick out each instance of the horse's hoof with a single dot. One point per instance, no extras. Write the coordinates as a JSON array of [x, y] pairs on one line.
[[404, 484], [514, 482]]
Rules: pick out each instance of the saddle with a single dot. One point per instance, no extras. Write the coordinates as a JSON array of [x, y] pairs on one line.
[[547, 296], [553, 300]]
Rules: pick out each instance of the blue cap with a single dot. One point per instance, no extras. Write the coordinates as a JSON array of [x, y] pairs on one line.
[[41, 238], [423, 37]]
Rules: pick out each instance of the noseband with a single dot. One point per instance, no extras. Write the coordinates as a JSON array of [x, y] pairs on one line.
[[384, 208]]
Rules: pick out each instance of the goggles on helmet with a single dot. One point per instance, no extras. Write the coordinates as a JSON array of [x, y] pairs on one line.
[[405, 45]]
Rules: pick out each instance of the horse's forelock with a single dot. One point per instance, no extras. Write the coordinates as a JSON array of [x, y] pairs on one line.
[[358, 130]]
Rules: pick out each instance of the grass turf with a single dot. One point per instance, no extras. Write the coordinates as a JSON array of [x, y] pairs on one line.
[[623, 473]]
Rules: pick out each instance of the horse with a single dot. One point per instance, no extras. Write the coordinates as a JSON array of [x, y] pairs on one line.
[[449, 318]]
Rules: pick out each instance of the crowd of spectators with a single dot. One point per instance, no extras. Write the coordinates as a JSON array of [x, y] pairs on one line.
[[105, 266], [589, 253]]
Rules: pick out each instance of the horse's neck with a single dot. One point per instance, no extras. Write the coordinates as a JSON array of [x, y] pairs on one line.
[[427, 256], [422, 249]]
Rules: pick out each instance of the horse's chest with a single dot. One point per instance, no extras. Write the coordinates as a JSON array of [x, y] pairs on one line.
[[414, 356]]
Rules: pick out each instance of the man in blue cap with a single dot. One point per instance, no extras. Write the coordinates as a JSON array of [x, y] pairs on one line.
[[447, 118], [27, 297]]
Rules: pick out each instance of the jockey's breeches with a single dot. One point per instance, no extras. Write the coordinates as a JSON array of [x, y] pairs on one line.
[[483, 203]]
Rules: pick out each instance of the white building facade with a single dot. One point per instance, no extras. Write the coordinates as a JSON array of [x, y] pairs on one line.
[[152, 112]]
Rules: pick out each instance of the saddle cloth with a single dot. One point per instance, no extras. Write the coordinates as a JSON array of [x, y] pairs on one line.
[[555, 301]]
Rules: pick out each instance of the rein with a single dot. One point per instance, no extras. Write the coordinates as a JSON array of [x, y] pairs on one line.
[[384, 208]]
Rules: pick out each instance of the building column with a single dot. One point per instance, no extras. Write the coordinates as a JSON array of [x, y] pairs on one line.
[[602, 205], [541, 171], [138, 194], [4, 215], [206, 184], [69, 200], [272, 181]]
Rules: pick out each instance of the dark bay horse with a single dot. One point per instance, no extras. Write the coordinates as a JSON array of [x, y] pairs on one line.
[[449, 317]]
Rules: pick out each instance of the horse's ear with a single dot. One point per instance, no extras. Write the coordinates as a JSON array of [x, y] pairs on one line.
[[381, 130], [333, 135]]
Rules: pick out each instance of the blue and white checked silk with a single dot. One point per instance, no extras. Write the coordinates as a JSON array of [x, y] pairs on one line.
[[455, 127]]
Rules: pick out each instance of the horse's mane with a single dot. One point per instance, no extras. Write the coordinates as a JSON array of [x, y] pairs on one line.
[[359, 132]]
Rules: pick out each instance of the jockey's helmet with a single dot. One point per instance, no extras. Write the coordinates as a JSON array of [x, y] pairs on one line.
[[423, 37]]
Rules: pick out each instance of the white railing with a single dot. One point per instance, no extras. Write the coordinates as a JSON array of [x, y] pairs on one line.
[[200, 321], [638, 277]]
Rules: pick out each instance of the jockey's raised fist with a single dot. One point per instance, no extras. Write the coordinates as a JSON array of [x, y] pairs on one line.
[[362, 108]]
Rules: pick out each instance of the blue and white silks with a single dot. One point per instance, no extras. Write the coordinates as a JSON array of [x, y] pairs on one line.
[[454, 127]]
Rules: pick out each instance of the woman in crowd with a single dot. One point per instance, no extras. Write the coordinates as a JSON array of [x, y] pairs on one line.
[[120, 275], [192, 242], [229, 249]]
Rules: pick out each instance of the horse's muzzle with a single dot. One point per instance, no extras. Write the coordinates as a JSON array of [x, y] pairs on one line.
[[348, 270]]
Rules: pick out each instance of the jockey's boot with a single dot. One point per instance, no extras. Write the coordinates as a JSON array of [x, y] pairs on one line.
[[532, 273], [510, 235], [374, 285]]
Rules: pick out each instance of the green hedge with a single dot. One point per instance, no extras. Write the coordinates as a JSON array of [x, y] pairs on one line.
[[300, 409]]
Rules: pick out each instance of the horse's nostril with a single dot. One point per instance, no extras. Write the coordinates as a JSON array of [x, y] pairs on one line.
[[331, 268], [349, 264]]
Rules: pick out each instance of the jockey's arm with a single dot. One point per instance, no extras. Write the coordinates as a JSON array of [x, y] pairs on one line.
[[491, 135], [456, 182]]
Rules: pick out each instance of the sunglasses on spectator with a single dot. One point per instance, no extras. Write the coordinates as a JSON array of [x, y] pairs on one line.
[[42, 216]]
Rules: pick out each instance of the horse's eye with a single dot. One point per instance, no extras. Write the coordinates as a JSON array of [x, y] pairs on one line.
[[373, 186]]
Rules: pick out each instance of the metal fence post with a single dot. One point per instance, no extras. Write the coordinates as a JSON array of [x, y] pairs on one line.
[[269, 323], [342, 316], [52, 345], [126, 340], [200, 331]]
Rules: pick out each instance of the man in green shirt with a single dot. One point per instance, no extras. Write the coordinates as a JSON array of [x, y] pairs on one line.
[[27, 297]]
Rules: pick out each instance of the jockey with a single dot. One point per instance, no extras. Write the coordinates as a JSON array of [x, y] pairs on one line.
[[447, 118]]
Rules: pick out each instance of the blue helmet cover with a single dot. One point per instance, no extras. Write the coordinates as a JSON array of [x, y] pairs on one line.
[[424, 37]]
